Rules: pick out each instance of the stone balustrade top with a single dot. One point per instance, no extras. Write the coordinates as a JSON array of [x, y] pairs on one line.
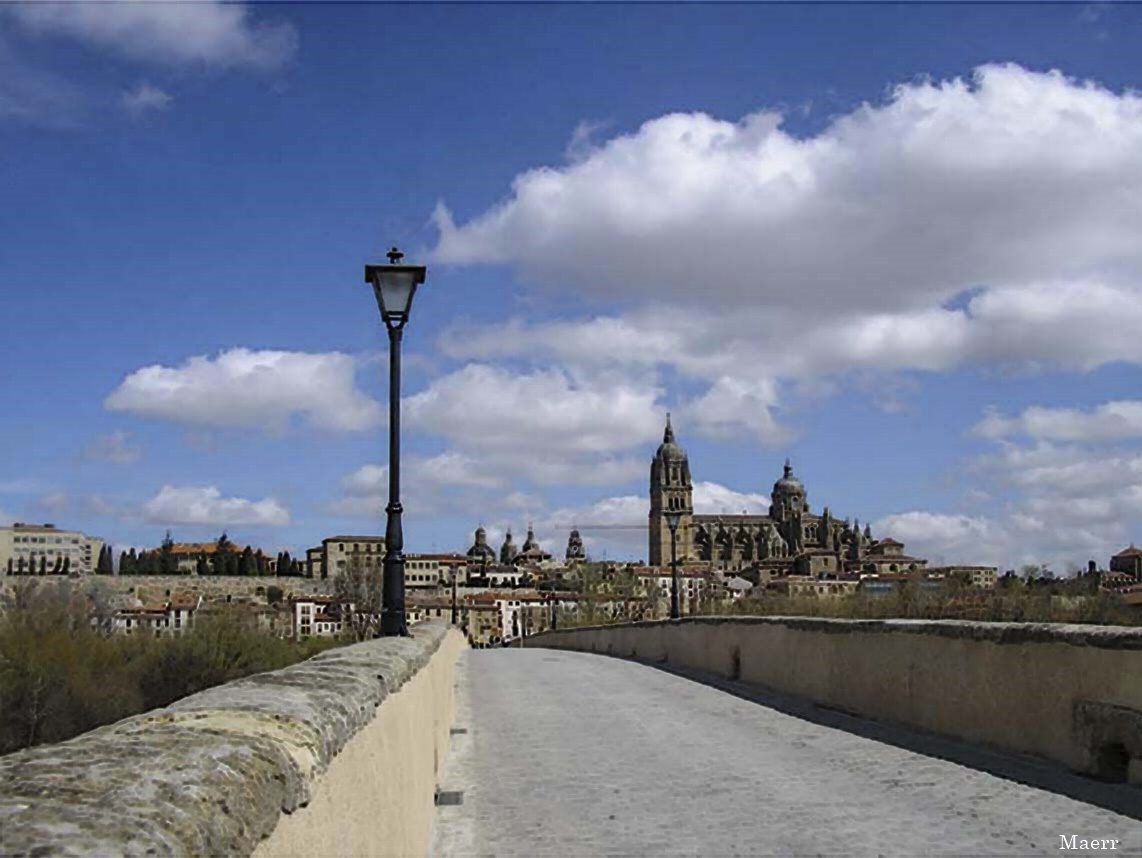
[[210, 774], [1073, 634]]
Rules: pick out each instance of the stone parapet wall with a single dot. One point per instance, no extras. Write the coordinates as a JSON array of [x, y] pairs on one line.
[[1069, 693], [217, 772]]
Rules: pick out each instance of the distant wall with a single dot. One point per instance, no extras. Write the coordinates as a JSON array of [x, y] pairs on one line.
[[124, 589], [1069, 693], [332, 756]]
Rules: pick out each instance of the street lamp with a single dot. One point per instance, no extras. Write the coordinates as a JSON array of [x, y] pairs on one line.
[[394, 286], [672, 522], [454, 617]]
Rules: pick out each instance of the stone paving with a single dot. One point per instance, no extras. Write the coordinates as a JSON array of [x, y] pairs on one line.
[[572, 754]]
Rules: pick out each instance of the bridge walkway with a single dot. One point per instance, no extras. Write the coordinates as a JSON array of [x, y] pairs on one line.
[[571, 754]]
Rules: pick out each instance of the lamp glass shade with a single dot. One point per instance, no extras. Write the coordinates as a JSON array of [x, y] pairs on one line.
[[394, 287], [672, 519]]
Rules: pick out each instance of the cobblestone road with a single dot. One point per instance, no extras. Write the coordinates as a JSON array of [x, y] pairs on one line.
[[572, 754]]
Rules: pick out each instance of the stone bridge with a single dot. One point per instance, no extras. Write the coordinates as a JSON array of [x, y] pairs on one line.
[[707, 737]]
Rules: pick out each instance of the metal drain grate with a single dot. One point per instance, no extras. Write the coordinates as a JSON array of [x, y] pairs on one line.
[[449, 797], [458, 731]]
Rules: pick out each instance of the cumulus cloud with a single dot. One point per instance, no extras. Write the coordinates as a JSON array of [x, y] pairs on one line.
[[733, 405], [113, 447], [143, 98], [960, 222], [948, 538], [544, 425], [613, 526], [948, 185], [1064, 485], [1111, 421], [204, 32], [251, 389], [716, 499], [188, 505], [447, 482]]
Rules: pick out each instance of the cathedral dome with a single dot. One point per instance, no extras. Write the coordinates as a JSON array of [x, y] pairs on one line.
[[668, 450], [788, 484]]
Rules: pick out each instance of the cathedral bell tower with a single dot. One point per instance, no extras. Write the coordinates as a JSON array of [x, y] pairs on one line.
[[670, 491]]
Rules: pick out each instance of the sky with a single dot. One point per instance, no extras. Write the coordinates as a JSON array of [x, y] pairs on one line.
[[898, 244]]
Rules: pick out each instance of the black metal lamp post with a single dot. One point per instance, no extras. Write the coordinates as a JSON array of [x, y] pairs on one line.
[[454, 615], [672, 523], [394, 286]]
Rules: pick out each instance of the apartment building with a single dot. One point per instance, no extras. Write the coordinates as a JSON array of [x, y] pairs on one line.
[[46, 543]]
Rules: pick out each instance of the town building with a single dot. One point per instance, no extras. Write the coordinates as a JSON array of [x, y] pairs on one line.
[[430, 571], [337, 551], [32, 546], [788, 539], [173, 617], [979, 577], [317, 616], [1128, 562]]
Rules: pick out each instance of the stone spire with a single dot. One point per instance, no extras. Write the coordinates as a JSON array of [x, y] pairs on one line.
[[508, 550], [575, 550]]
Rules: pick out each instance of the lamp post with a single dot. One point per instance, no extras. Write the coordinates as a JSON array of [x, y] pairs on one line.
[[394, 285], [672, 523], [454, 616]]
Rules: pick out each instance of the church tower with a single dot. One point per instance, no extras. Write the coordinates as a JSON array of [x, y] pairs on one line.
[[670, 491]]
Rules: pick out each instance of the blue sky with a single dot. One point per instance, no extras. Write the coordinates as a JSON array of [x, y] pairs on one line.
[[895, 243]]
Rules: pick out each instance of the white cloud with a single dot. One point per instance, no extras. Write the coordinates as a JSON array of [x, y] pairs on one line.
[[145, 97], [188, 505], [947, 538], [449, 481], [251, 389], [544, 426], [978, 222], [716, 499], [113, 447], [946, 186], [206, 32], [614, 526], [1112, 421], [733, 405]]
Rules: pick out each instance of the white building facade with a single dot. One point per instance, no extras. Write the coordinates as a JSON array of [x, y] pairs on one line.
[[45, 544]]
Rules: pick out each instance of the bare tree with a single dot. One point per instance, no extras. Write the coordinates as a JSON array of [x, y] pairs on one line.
[[358, 591]]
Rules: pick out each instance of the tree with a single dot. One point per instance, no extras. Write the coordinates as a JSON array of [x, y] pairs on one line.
[[106, 561], [9, 567], [222, 550], [274, 594], [168, 563], [246, 562], [66, 568], [357, 588], [43, 564], [201, 567], [285, 564]]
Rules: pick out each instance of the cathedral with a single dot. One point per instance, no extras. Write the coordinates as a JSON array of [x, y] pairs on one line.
[[788, 540]]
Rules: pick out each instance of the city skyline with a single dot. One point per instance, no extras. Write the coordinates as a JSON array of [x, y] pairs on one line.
[[914, 271]]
